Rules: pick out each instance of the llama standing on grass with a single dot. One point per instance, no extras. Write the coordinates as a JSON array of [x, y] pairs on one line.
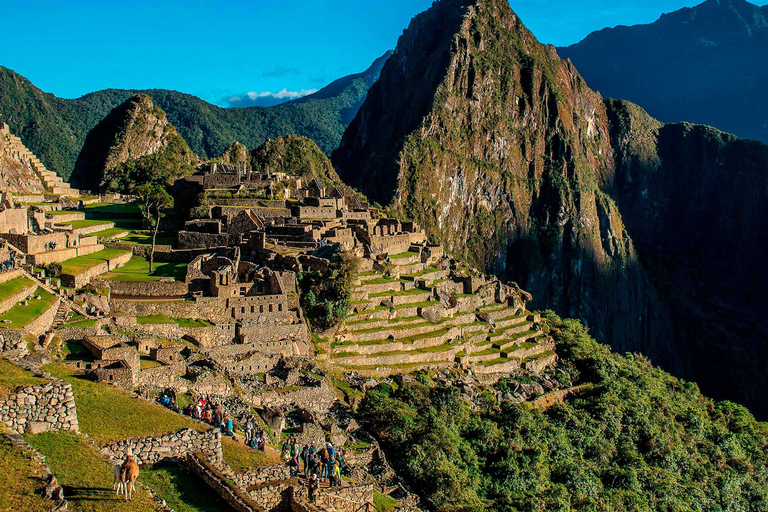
[[129, 472]]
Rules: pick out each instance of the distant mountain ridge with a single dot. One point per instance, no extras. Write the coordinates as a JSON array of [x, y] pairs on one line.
[[704, 64], [55, 128]]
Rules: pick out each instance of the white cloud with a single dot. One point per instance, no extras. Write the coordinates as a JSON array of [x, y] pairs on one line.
[[265, 98]]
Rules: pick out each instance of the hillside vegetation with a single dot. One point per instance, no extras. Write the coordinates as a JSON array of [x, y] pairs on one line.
[[638, 440]]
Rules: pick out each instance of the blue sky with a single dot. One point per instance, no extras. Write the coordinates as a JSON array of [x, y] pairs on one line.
[[225, 48]]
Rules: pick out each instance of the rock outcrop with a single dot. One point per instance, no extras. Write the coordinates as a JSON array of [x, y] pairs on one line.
[[235, 154], [135, 129], [499, 149]]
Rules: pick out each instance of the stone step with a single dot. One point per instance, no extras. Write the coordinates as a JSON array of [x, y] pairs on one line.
[[384, 323], [402, 297], [404, 259], [509, 321], [515, 340], [482, 355], [524, 350], [422, 341], [380, 285], [437, 354]]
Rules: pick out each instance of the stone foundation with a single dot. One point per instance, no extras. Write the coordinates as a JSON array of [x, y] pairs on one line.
[[174, 447], [36, 409]]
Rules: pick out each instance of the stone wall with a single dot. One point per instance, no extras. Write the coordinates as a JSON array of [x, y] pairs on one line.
[[195, 240], [261, 476], [148, 289], [266, 213], [59, 255], [43, 323], [83, 278], [274, 496], [11, 301], [12, 340], [162, 377], [238, 500], [175, 446], [35, 409]]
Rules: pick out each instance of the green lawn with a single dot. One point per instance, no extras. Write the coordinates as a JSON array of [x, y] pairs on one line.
[[82, 323], [137, 270], [242, 458], [402, 255], [85, 223], [60, 212], [14, 286], [163, 319], [145, 238], [18, 473], [75, 351], [147, 362], [108, 208], [384, 503], [86, 477], [109, 233], [13, 377], [20, 315], [109, 414], [81, 263]]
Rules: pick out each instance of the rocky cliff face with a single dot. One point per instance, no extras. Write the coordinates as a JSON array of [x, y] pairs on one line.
[[295, 156], [501, 151], [134, 130]]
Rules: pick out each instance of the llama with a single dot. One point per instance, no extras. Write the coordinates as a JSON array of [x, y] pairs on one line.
[[129, 472]]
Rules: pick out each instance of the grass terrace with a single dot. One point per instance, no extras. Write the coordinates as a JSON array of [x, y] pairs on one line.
[[379, 280], [59, 212], [181, 489], [407, 254], [110, 233], [13, 377], [242, 458], [18, 474], [86, 477], [163, 319], [401, 293], [82, 263], [137, 270], [14, 286], [107, 208], [108, 414], [85, 223], [21, 315], [145, 238]]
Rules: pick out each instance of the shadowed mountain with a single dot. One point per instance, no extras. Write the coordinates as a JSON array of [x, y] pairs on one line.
[[703, 64], [501, 151]]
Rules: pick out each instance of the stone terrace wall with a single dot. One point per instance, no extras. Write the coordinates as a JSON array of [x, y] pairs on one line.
[[83, 278], [148, 289], [175, 446], [261, 476], [13, 340], [35, 409], [11, 301], [43, 323], [236, 499]]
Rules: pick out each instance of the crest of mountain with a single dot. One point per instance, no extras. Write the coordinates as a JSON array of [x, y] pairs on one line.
[[235, 154], [132, 131], [295, 156], [700, 64], [501, 151], [55, 128]]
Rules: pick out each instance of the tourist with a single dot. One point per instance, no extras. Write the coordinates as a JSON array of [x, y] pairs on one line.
[[285, 452], [293, 464], [336, 474], [305, 457], [248, 431], [217, 415], [312, 485], [323, 463], [296, 447], [230, 427]]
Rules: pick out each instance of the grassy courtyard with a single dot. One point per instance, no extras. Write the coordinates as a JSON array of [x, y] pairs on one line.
[[85, 223], [82, 263], [110, 233], [20, 315], [137, 270]]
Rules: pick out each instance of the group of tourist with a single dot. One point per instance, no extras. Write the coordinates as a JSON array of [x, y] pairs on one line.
[[205, 410], [254, 439], [323, 464]]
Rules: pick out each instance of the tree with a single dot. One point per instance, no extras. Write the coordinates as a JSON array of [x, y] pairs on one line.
[[152, 199]]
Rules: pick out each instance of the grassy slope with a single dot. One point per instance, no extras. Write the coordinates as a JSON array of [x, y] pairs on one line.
[[12, 377], [18, 475], [14, 286], [241, 458], [81, 263], [109, 414]]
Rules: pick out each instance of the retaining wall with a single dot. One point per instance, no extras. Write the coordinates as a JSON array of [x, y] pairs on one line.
[[174, 446], [36, 409]]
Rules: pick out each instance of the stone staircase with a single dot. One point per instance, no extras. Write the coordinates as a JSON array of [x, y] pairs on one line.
[[406, 313], [13, 147], [61, 315]]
